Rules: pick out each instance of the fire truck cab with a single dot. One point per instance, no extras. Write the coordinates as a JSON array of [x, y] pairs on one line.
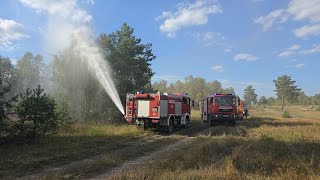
[[219, 108], [163, 111]]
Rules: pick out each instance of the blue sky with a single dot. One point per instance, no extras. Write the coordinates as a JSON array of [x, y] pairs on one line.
[[239, 43]]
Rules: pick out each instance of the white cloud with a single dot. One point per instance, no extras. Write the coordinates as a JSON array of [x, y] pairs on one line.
[[315, 49], [295, 66], [286, 53], [188, 14], [297, 10], [299, 66], [308, 30], [211, 38], [294, 47], [218, 68], [289, 51], [245, 57], [275, 17], [227, 50], [305, 9], [9, 32], [66, 9], [92, 2], [164, 15], [296, 50]]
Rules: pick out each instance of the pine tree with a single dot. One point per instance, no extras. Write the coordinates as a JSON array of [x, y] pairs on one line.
[[250, 97], [286, 89], [263, 100], [37, 108]]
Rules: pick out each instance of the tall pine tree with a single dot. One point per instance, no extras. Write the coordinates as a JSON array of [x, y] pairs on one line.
[[250, 97], [286, 89]]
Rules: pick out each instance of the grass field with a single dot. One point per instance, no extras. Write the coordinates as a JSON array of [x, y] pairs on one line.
[[78, 142], [266, 146], [83, 141]]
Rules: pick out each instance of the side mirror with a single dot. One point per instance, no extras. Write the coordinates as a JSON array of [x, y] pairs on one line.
[[192, 103]]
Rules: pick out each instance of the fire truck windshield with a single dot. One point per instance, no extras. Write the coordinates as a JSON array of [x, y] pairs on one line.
[[227, 101]]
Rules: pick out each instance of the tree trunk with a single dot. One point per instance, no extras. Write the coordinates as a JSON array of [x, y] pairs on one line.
[[282, 104]]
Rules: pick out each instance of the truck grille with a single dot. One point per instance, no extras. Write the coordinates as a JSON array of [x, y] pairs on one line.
[[225, 110]]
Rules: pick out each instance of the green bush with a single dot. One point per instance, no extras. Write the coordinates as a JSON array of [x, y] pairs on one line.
[[286, 114], [39, 114], [63, 116], [318, 108]]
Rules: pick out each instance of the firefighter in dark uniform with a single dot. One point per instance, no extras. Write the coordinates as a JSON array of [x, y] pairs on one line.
[[245, 113]]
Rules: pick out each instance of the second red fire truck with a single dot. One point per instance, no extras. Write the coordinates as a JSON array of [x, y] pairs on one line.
[[219, 108], [163, 111]]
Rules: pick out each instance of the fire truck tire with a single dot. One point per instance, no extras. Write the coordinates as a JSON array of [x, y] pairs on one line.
[[142, 126], [170, 127], [187, 122]]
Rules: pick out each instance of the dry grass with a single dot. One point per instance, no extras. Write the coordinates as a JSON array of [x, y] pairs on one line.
[[266, 146], [110, 160], [78, 142]]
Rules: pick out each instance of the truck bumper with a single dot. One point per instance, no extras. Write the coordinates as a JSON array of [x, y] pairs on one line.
[[223, 117], [148, 123]]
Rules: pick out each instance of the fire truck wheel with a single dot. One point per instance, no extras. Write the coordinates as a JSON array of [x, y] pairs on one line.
[[170, 127], [187, 123]]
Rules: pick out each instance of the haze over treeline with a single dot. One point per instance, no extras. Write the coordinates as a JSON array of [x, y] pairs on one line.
[[70, 82], [198, 88]]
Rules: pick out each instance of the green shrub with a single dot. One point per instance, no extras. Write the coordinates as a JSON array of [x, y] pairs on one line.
[[286, 114], [63, 116], [318, 108], [37, 110], [39, 114]]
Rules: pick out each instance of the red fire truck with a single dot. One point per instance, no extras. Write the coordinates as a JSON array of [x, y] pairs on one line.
[[219, 108], [163, 111]]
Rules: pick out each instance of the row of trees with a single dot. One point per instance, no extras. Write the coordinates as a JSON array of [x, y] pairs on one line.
[[68, 80], [287, 92], [196, 87]]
